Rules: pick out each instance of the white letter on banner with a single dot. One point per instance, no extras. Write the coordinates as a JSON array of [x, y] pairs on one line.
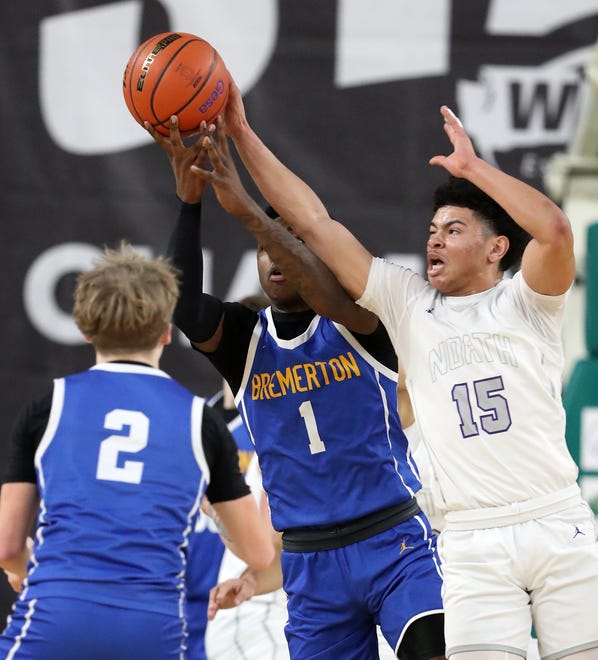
[[391, 40], [44, 273], [40, 287], [83, 55], [512, 107]]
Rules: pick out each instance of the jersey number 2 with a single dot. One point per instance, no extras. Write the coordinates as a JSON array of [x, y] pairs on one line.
[[130, 471]]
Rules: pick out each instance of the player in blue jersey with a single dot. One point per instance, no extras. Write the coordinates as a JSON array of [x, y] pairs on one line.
[[116, 460], [319, 399], [238, 590], [208, 561]]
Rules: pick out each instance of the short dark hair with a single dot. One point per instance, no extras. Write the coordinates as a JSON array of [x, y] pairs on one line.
[[463, 193]]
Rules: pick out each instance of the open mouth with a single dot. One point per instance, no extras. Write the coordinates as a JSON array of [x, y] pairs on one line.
[[275, 275], [435, 265]]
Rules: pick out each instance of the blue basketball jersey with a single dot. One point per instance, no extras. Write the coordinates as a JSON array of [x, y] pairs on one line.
[[206, 550], [322, 414], [119, 487]]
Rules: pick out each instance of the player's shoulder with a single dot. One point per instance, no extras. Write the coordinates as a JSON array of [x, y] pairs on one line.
[[36, 408], [378, 346], [516, 291]]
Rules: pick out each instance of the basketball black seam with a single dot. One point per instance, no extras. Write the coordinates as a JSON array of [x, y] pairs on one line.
[[164, 122]]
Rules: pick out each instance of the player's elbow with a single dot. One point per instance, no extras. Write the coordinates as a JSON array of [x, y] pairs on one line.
[[560, 232], [259, 555], [11, 549]]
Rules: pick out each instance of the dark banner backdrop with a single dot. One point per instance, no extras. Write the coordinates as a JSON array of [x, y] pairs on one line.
[[346, 93]]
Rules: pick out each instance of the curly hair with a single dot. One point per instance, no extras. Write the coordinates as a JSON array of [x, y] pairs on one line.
[[125, 302], [460, 192]]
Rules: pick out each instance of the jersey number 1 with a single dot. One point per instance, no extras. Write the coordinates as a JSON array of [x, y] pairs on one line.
[[315, 442]]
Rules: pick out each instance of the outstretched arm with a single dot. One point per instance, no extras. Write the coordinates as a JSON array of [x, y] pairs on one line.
[[315, 283], [548, 264], [197, 314], [298, 204]]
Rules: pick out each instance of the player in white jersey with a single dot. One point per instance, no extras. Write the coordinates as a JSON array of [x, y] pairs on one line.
[[483, 358]]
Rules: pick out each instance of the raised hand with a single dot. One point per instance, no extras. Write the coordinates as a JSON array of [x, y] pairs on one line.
[[459, 162], [189, 186], [234, 114], [224, 176]]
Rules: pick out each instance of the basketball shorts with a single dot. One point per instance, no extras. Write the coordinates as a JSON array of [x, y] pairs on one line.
[[69, 629], [498, 581], [197, 621], [336, 597]]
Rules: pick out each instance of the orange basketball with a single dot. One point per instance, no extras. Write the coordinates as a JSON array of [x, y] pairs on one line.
[[174, 73]]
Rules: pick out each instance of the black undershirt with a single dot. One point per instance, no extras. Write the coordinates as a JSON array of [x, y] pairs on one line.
[[198, 314], [239, 322], [226, 481]]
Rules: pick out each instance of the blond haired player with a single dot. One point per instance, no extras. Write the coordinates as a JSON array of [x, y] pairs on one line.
[[118, 458]]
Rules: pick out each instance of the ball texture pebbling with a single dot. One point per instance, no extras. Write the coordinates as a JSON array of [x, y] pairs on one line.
[[175, 73]]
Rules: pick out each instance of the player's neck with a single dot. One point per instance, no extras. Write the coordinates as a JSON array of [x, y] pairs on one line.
[[151, 358]]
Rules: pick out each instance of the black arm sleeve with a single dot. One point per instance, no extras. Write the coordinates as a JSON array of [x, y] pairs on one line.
[[226, 481], [27, 432], [197, 314]]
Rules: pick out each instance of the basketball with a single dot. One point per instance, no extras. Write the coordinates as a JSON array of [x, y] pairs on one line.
[[175, 73]]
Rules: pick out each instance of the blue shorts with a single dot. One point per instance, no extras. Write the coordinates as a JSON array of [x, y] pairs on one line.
[[197, 622], [336, 597], [70, 629]]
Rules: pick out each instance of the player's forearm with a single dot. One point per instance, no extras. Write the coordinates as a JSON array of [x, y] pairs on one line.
[[16, 560], [243, 531], [287, 193], [196, 314], [19, 502], [313, 280], [265, 580], [531, 209], [304, 212], [257, 552]]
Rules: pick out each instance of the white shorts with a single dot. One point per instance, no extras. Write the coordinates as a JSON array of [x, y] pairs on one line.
[[500, 580], [252, 631]]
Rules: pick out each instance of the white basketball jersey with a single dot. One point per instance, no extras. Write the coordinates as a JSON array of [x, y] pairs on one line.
[[484, 375]]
